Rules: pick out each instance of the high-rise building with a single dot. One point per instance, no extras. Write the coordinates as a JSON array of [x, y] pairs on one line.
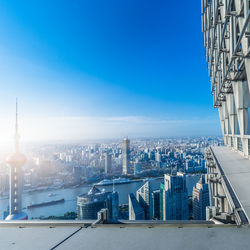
[[4, 182], [162, 190], [77, 173], [158, 156], [88, 205], [136, 211], [189, 165], [126, 156], [144, 197], [175, 197], [200, 199], [108, 163], [115, 205], [203, 165], [137, 168], [16, 161], [156, 204]]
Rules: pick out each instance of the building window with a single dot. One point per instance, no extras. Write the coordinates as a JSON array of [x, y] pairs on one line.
[[239, 144], [232, 142]]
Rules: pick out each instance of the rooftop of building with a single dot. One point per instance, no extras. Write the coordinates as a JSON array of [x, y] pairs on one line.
[[138, 235]]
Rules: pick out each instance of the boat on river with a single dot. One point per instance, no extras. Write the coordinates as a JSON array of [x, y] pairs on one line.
[[117, 181], [52, 194]]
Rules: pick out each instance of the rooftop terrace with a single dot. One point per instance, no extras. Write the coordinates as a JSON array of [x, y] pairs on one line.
[[236, 172], [81, 235]]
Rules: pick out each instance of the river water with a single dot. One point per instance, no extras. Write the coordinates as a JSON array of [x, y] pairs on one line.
[[70, 196]]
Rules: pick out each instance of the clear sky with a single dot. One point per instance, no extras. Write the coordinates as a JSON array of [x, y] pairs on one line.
[[104, 69]]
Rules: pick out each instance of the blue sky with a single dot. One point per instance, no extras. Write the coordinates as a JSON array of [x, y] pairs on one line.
[[88, 69]]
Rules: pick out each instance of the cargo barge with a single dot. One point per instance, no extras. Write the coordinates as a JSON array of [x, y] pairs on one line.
[[45, 203]]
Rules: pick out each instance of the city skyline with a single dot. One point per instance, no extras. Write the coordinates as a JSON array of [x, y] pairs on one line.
[[110, 79], [54, 129]]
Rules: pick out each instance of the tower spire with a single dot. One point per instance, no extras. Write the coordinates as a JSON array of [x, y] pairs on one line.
[[16, 161], [16, 129]]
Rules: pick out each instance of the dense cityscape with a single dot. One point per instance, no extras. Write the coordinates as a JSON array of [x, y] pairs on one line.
[[135, 179]]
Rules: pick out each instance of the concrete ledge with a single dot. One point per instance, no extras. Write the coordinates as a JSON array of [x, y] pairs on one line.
[[235, 173]]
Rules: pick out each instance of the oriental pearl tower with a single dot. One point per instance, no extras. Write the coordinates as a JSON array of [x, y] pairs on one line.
[[16, 161]]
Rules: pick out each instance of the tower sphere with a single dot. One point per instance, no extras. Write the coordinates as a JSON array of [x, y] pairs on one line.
[[16, 159]]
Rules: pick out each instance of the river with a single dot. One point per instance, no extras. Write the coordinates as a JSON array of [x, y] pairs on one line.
[[70, 196]]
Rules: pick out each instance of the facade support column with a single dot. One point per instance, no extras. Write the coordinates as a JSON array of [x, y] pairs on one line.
[[232, 118], [241, 93], [226, 122], [222, 122]]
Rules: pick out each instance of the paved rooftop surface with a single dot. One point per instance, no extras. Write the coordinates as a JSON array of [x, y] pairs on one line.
[[124, 237], [237, 170]]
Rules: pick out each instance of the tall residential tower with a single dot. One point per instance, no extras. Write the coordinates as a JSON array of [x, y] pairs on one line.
[[175, 197], [200, 199], [126, 156], [108, 163]]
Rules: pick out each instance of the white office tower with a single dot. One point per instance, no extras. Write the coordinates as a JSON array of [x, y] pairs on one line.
[[126, 156], [175, 197], [158, 156], [16, 161], [200, 199], [144, 197]]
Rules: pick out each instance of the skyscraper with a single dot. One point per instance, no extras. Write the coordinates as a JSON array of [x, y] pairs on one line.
[[16, 161], [156, 204], [115, 205], [200, 199], [136, 211], [175, 197], [144, 197], [137, 168], [88, 205], [126, 156], [162, 191], [189, 165], [108, 163], [158, 156], [77, 174]]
